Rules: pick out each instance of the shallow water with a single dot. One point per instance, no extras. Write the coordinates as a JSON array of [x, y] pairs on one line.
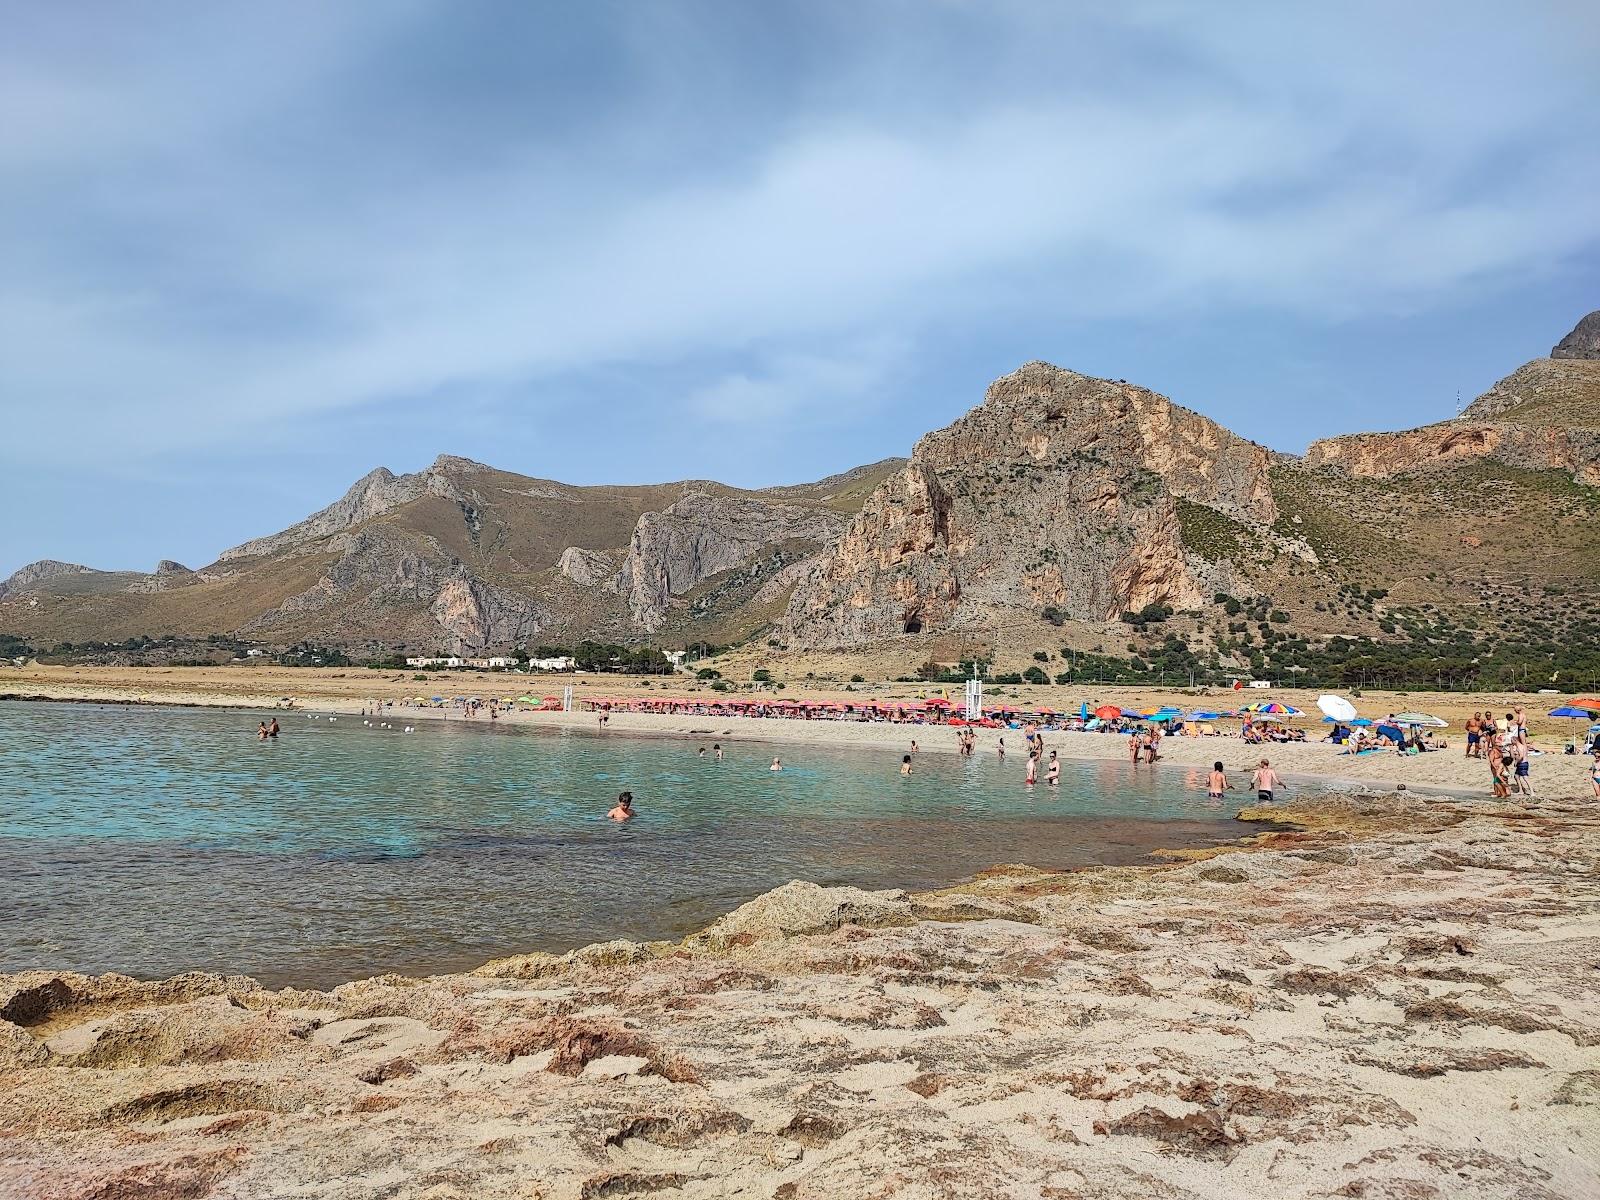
[[154, 841]]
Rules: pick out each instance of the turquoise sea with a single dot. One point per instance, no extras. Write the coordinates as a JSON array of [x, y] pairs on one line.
[[158, 840]]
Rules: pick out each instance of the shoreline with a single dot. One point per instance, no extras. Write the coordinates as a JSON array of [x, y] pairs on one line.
[[1444, 773]]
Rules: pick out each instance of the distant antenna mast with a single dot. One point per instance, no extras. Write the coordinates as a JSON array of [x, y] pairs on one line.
[[1458, 402]]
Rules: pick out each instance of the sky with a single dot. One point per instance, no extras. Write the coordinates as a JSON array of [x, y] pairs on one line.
[[248, 252]]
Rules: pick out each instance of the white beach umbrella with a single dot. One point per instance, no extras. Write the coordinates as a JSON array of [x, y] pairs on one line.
[[1337, 707], [1423, 719]]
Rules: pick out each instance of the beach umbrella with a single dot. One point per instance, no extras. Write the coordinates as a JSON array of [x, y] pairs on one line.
[[1424, 719], [1574, 710], [1273, 707], [1586, 702], [1362, 721], [1108, 712], [1337, 707], [1083, 710], [1199, 715]]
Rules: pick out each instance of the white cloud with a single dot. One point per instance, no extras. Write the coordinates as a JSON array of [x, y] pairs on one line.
[[1329, 163]]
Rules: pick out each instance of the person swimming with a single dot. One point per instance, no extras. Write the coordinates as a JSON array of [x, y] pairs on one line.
[[905, 764], [777, 765], [701, 753], [624, 808], [1217, 782]]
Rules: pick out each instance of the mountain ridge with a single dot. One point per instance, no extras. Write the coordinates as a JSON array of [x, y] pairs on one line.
[[1059, 493]]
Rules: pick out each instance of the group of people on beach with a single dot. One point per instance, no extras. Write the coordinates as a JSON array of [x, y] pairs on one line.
[[1504, 743]]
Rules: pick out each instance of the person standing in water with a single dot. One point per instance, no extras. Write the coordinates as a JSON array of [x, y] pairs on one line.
[[716, 751], [624, 808], [1266, 781], [777, 765], [905, 764], [1052, 775], [1033, 768], [261, 732], [1001, 749], [272, 728], [1217, 782]]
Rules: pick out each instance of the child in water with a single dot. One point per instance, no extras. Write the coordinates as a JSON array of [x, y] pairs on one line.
[[776, 765], [624, 808]]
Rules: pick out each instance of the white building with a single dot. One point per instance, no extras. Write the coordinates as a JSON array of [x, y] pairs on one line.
[[563, 662], [491, 664], [436, 662]]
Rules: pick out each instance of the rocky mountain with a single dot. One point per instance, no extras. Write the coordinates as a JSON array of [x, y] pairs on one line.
[[1084, 499], [467, 558], [1061, 500]]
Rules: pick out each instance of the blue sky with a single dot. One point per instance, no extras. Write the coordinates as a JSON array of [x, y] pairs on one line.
[[251, 251]]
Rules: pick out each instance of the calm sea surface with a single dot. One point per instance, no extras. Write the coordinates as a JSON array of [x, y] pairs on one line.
[[154, 841]]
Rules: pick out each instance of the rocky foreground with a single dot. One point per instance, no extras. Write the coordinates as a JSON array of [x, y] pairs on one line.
[[1396, 999]]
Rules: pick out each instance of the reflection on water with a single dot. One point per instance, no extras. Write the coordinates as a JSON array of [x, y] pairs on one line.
[[154, 841]]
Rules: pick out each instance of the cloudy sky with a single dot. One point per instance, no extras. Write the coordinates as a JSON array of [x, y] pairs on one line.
[[250, 251]]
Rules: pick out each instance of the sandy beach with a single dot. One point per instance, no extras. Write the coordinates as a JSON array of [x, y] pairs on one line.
[[345, 691]]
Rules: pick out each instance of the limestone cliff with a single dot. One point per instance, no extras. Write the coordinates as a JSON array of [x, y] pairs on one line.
[[702, 535], [1543, 416], [26, 578], [1059, 490]]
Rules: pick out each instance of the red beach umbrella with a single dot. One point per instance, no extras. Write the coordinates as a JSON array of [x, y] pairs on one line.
[[1108, 712]]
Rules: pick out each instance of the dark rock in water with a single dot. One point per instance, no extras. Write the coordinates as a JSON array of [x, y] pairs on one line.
[[1583, 341]]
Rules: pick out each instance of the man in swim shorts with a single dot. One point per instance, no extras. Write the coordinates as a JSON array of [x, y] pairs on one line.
[[1217, 782], [624, 808], [1266, 781]]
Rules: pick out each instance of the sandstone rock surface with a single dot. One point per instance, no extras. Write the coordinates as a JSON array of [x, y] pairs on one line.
[[1394, 998]]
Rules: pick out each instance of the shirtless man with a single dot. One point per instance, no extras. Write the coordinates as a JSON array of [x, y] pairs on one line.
[[272, 728], [624, 808], [1217, 782], [1474, 723], [1033, 768], [1266, 781]]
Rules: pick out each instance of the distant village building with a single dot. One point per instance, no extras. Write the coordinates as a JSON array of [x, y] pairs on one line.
[[564, 662], [492, 664], [256, 653], [436, 662]]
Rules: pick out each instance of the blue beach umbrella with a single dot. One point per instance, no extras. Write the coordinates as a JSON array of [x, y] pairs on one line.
[[1568, 710], [1362, 721]]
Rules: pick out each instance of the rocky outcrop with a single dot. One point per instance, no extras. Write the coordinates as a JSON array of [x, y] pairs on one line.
[[24, 579], [585, 567], [168, 575], [1059, 490], [1543, 416], [1451, 443], [375, 493], [702, 535], [1583, 342], [381, 572]]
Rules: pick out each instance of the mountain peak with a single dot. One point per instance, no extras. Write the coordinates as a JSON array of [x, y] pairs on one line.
[[1583, 341]]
